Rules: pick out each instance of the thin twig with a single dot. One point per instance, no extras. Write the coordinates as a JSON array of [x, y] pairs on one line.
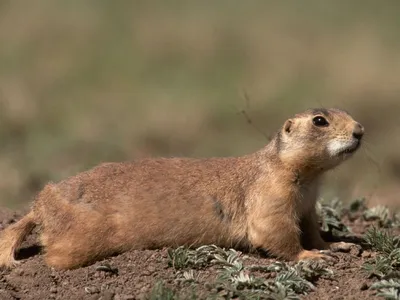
[[248, 119]]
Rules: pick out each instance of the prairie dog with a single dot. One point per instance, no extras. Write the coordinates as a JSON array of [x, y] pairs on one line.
[[262, 200]]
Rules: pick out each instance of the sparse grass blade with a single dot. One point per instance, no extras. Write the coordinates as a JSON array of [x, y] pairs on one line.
[[179, 257], [381, 241]]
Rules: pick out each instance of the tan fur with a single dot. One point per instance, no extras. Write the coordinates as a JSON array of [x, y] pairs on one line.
[[265, 199]]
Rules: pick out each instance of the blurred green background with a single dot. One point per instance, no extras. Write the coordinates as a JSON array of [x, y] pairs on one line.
[[82, 82]]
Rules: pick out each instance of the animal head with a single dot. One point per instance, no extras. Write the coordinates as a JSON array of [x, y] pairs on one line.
[[319, 138]]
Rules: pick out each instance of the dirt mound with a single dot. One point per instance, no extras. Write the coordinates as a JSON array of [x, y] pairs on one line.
[[170, 274]]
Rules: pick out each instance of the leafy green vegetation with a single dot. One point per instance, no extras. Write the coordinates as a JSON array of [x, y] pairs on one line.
[[330, 214], [388, 289], [386, 264], [183, 257], [289, 283], [382, 214], [382, 241], [234, 279]]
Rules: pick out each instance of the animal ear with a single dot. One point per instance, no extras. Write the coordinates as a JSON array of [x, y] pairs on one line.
[[287, 127]]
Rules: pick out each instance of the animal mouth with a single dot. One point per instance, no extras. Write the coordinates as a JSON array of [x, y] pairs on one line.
[[353, 148]]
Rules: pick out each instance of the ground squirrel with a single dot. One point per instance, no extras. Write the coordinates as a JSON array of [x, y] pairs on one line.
[[262, 200]]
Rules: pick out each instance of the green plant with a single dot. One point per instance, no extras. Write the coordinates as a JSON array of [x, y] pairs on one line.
[[179, 258], [183, 257], [386, 264], [289, 283], [389, 289], [235, 280], [381, 241], [389, 253], [229, 261], [188, 276], [379, 213], [330, 214], [312, 270], [379, 267]]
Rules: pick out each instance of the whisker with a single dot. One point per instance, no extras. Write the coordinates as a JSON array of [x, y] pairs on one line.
[[369, 155]]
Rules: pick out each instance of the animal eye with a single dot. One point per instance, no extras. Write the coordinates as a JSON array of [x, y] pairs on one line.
[[320, 121]]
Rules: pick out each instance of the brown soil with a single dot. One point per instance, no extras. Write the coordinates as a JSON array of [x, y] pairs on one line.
[[132, 275]]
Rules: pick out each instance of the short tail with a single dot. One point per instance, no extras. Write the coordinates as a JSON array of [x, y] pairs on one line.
[[12, 237]]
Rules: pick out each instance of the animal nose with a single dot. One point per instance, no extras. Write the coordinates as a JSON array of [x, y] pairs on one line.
[[358, 131]]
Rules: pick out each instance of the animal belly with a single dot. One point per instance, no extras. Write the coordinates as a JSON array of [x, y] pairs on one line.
[[172, 230]]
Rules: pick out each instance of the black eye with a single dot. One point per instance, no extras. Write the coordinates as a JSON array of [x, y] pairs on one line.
[[320, 121]]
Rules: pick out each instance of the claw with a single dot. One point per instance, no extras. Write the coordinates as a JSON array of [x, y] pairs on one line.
[[321, 255]]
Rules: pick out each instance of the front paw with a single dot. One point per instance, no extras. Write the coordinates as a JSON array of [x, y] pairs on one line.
[[321, 255]]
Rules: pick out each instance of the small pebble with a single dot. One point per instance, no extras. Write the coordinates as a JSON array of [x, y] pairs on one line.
[[364, 286], [92, 290], [19, 272], [366, 254], [341, 247], [53, 290], [106, 268], [356, 250]]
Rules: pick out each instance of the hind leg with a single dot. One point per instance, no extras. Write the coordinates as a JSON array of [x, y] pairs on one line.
[[77, 246], [76, 233], [60, 256], [73, 251]]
